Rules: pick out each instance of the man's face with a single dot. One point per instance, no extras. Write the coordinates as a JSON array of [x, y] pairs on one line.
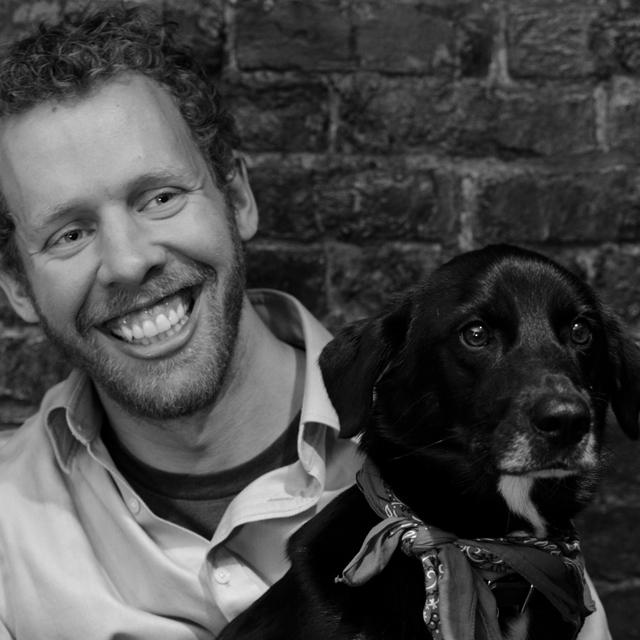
[[131, 252]]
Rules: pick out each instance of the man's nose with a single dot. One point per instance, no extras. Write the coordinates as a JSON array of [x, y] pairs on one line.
[[128, 250]]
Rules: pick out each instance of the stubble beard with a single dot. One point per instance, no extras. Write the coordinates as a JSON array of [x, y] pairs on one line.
[[151, 392]]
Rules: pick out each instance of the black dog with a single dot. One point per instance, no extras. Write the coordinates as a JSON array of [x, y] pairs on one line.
[[481, 400]]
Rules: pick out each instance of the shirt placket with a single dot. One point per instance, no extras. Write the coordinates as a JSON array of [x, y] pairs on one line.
[[234, 586]]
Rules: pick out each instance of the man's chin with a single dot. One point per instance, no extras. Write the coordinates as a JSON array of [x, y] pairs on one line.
[[168, 404], [171, 376], [183, 383]]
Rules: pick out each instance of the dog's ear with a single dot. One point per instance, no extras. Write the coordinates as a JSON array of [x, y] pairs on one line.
[[354, 360], [625, 392]]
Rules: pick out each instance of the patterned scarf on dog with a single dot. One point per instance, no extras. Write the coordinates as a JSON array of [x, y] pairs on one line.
[[459, 604]]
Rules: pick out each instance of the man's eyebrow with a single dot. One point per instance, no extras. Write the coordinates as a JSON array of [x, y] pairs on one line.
[[137, 185], [60, 212], [155, 179]]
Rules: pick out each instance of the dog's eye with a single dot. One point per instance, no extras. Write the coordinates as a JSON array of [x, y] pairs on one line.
[[475, 335], [580, 333]]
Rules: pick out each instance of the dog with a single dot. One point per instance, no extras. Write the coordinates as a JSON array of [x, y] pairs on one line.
[[480, 399]]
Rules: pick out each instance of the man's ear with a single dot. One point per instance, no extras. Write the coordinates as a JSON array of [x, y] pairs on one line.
[[18, 296], [244, 204], [354, 361]]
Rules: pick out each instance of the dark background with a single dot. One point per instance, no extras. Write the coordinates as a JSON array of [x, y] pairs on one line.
[[385, 136]]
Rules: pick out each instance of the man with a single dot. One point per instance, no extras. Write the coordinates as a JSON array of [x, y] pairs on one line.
[[152, 494]]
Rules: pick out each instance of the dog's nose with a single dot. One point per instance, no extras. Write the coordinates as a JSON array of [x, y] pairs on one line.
[[562, 417]]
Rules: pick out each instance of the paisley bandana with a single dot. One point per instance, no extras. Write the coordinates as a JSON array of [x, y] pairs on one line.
[[459, 603]]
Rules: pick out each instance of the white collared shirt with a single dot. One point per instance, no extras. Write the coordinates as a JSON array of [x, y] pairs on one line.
[[82, 556]]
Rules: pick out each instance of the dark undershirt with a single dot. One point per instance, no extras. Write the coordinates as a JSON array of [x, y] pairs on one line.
[[198, 501]]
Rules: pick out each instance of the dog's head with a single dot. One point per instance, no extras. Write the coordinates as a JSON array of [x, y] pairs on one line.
[[492, 378]]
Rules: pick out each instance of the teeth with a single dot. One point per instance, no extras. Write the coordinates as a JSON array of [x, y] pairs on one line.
[[149, 329], [161, 320], [162, 323]]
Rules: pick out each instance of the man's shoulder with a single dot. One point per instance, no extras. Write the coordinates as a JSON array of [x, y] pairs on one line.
[[29, 450], [25, 448]]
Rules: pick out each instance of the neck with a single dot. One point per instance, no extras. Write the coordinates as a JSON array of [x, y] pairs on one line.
[[261, 394], [482, 506]]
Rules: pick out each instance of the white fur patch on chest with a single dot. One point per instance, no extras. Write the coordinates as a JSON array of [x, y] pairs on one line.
[[516, 491]]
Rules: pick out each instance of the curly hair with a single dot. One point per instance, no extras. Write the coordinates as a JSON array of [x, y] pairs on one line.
[[69, 59]]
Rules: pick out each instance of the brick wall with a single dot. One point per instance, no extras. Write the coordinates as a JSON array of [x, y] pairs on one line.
[[384, 136]]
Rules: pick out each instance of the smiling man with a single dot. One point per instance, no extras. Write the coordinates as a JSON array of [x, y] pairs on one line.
[[152, 494], [133, 264]]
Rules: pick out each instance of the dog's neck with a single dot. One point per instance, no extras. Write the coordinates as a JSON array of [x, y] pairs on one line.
[[516, 492], [490, 507]]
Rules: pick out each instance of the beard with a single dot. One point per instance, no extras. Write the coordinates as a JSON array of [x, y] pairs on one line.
[[178, 386]]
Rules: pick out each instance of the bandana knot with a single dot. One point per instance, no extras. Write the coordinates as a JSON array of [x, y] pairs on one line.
[[459, 604]]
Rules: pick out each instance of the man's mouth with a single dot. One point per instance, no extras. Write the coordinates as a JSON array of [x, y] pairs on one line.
[[156, 322]]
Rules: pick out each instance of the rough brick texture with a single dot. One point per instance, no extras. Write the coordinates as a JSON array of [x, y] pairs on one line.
[[384, 136]]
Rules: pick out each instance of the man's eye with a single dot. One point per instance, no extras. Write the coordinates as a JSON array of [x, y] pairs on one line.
[[164, 197], [161, 199], [72, 236], [69, 237]]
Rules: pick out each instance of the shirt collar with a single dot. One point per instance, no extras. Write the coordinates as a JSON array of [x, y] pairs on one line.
[[73, 413], [292, 323]]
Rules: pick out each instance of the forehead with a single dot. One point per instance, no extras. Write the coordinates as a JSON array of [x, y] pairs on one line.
[[532, 286], [504, 290], [91, 145]]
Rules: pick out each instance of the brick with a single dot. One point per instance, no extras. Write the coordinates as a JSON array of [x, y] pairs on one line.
[[299, 270], [275, 112], [550, 41], [284, 191], [363, 279], [29, 366], [353, 198], [292, 34], [593, 205], [386, 200], [623, 111], [379, 114], [17, 18], [537, 121], [477, 35], [382, 114], [404, 37], [615, 42], [201, 24]]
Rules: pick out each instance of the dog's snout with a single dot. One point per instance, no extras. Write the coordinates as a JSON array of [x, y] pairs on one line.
[[566, 417]]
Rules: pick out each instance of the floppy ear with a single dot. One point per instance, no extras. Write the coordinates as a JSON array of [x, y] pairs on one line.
[[625, 392], [354, 360]]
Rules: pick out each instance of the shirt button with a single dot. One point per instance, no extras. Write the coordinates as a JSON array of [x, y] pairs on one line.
[[134, 506], [221, 576]]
